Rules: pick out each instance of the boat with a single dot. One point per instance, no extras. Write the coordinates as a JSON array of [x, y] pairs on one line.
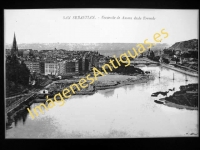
[[159, 102], [154, 95]]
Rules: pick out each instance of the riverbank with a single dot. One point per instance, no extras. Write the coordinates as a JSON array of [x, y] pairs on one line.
[[109, 81], [170, 104], [163, 101], [194, 74], [185, 98], [188, 72]]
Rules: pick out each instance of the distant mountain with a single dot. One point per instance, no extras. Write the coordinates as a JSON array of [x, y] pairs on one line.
[[185, 45], [83, 46]]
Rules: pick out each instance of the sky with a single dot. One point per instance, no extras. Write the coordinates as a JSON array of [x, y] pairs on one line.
[[49, 25]]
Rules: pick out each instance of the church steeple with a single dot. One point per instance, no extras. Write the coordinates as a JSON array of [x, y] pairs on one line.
[[14, 50]]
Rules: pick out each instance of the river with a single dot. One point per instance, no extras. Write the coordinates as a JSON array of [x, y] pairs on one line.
[[124, 112]]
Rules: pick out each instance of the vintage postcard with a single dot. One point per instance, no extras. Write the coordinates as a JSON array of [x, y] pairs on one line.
[[101, 73]]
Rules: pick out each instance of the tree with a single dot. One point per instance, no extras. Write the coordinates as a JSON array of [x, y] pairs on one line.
[[17, 72], [157, 58], [165, 60], [152, 55]]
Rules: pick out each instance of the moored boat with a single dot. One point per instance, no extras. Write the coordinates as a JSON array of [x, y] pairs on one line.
[[159, 102]]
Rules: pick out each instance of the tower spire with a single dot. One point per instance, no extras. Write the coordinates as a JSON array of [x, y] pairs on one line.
[[14, 50]]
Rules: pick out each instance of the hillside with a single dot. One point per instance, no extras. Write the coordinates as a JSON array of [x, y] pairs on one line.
[[185, 45]]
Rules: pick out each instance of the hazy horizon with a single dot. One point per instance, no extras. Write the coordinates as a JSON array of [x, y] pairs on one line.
[[83, 46]]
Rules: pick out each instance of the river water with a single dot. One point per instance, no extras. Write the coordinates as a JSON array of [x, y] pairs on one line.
[[124, 112]]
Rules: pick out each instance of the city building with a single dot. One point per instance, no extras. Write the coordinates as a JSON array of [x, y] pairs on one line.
[[72, 66], [33, 66], [85, 62], [96, 61], [102, 61], [42, 67], [80, 65], [62, 68], [173, 60], [51, 68]]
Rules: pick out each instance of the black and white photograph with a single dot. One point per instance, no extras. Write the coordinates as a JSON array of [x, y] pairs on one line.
[[78, 73]]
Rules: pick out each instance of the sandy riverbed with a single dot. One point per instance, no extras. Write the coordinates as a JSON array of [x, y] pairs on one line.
[[122, 80], [110, 81]]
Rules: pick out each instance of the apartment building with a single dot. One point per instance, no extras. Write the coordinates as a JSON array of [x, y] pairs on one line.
[[62, 68], [72, 66], [51, 68], [33, 66], [42, 67]]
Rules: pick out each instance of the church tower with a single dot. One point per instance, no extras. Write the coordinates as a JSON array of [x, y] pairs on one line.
[[14, 50]]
